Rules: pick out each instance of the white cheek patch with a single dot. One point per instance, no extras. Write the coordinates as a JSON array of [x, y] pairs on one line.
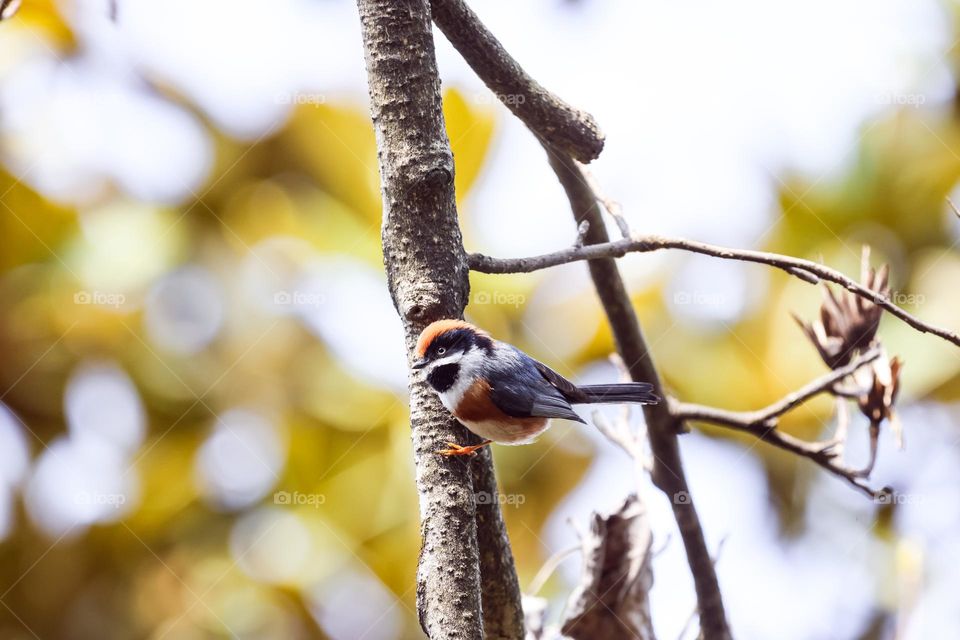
[[470, 364]]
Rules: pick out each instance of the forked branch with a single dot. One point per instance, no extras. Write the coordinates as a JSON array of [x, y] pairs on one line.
[[763, 423]]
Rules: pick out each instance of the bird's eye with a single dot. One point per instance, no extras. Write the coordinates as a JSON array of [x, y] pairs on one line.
[[441, 351]]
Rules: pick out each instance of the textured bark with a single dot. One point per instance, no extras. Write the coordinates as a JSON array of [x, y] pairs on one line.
[[573, 131], [668, 474], [428, 278], [500, 589]]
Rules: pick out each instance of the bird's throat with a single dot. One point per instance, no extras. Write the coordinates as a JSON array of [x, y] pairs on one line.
[[444, 377]]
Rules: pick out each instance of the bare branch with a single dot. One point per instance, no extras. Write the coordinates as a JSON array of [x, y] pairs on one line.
[[806, 270], [767, 417], [763, 423], [668, 474], [573, 131]]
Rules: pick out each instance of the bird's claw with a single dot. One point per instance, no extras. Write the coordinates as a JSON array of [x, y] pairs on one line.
[[455, 449]]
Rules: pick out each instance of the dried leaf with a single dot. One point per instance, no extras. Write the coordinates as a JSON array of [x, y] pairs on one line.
[[882, 381], [611, 600], [848, 323]]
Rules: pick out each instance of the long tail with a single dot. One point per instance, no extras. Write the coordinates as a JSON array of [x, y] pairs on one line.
[[638, 392]]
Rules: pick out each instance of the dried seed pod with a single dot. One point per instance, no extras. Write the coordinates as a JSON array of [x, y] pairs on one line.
[[848, 323], [882, 383]]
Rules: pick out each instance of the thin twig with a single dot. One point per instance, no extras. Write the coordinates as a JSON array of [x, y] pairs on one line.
[[806, 270], [548, 568], [954, 207], [767, 417], [621, 435], [843, 424], [872, 460], [843, 391], [616, 434], [763, 423], [611, 206]]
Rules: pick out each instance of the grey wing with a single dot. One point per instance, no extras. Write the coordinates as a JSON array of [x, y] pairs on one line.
[[569, 390], [548, 406], [525, 392]]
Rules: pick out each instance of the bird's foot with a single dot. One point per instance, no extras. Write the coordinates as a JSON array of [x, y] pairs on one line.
[[455, 449]]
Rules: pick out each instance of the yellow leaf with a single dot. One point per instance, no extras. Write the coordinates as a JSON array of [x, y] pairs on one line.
[[337, 146], [33, 228], [470, 129], [43, 16]]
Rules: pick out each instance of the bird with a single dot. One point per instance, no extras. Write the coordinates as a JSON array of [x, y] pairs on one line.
[[499, 392]]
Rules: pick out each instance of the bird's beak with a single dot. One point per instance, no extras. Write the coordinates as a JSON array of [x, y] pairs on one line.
[[420, 364]]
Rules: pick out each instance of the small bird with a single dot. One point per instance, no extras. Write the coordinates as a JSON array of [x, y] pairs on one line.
[[499, 392]]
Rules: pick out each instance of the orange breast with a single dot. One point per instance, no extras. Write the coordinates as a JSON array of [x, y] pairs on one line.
[[478, 412]]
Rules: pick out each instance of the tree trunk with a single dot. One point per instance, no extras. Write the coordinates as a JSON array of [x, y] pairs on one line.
[[428, 278]]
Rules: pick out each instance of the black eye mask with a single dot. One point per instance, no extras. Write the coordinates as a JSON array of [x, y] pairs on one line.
[[451, 342]]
